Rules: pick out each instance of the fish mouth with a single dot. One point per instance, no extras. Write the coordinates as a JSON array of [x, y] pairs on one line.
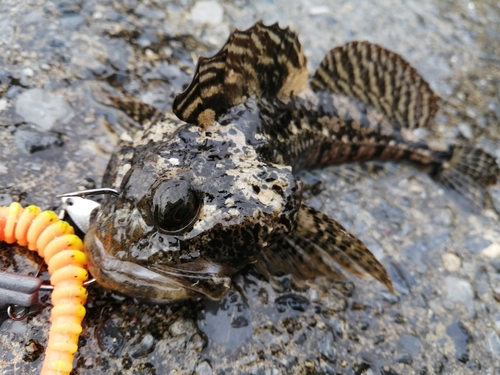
[[155, 282]]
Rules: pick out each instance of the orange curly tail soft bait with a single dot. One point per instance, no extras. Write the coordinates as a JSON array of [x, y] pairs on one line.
[[54, 240]]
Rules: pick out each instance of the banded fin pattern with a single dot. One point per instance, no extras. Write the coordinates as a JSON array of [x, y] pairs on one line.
[[263, 61], [380, 78], [318, 246], [469, 171], [138, 111]]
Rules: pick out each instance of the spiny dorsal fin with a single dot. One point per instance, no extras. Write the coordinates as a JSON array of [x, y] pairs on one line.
[[263, 61], [380, 78]]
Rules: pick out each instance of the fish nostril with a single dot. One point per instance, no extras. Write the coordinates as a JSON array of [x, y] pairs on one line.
[[278, 189]]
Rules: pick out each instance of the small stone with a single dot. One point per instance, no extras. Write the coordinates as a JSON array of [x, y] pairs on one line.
[[85, 66], [144, 347], [494, 343], [6, 30], [30, 140], [461, 338], [404, 358], [319, 9], [327, 347], [410, 344], [495, 263], [465, 130], [181, 326], [72, 22], [203, 368], [451, 262], [492, 251], [476, 243], [207, 12], [460, 291], [3, 104], [28, 72], [43, 108]]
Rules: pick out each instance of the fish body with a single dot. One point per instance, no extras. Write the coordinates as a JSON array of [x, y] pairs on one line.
[[213, 187]]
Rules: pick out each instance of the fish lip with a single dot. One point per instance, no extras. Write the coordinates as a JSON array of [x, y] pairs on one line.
[[155, 283], [131, 278]]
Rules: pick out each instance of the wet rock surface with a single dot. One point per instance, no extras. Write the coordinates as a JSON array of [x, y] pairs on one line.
[[445, 319]]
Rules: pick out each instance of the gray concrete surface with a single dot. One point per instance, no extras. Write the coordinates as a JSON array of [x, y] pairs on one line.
[[443, 256]]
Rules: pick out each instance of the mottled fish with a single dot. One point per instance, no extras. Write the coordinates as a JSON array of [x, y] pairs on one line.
[[212, 186]]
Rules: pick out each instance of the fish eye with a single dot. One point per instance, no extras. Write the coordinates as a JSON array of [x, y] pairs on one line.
[[175, 206]]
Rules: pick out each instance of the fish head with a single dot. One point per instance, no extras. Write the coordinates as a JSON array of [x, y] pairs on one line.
[[195, 207]]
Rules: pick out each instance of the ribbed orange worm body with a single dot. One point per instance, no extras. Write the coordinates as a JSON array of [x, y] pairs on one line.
[[62, 250]]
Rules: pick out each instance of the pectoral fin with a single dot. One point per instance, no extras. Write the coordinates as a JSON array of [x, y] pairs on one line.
[[318, 246]]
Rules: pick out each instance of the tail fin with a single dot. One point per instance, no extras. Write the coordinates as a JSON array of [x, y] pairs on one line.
[[319, 246], [379, 78], [469, 171]]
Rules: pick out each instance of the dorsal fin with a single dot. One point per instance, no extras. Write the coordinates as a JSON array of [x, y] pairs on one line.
[[263, 61], [380, 78]]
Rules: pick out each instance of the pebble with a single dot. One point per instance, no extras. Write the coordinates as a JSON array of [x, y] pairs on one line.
[[118, 54], [209, 12], [85, 66], [181, 326], [144, 347], [203, 368], [31, 140], [3, 104], [460, 291], [492, 251], [451, 262], [72, 22], [28, 72], [410, 344], [494, 343], [476, 243], [327, 347], [465, 130], [6, 30], [319, 9], [404, 358], [461, 338], [43, 109]]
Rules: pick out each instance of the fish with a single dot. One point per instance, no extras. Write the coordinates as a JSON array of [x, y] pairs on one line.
[[212, 185]]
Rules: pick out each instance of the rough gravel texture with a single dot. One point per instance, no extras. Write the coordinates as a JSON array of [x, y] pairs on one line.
[[443, 257]]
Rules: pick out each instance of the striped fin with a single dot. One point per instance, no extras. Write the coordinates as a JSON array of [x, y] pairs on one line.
[[474, 163], [380, 78], [142, 113], [263, 61], [469, 171], [138, 111], [317, 247]]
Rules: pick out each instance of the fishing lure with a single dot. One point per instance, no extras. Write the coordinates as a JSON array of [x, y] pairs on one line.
[[63, 251]]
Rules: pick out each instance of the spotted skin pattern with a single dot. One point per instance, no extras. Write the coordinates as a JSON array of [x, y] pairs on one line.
[[212, 186]]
